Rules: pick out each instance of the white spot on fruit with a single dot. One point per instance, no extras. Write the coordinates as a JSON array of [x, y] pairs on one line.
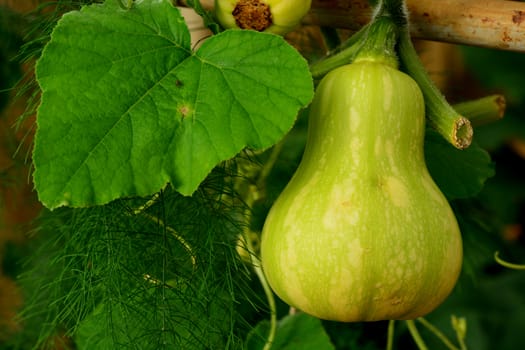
[[339, 289], [340, 208], [396, 191], [355, 119], [355, 252]]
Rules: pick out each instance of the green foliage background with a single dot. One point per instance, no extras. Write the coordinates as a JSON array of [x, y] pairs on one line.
[[164, 271]]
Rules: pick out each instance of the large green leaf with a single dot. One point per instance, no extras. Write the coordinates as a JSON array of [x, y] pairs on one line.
[[458, 173], [128, 107]]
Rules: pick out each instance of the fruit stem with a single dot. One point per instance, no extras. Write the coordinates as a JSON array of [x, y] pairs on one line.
[[483, 110], [455, 128], [415, 335], [379, 42], [437, 333], [396, 9], [375, 41]]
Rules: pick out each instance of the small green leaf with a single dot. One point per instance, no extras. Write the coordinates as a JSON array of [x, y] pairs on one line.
[[93, 332], [128, 107], [207, 15], [299, 331], [458, 173]]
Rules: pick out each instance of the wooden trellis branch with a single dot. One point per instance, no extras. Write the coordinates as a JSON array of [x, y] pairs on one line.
[[489, 23], [496, 24]]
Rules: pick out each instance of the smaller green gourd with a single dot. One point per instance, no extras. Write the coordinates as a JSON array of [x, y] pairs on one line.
[[272, 16], [362, 232]]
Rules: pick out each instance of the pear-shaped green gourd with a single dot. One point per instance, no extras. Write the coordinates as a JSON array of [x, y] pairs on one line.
[[361, 232]]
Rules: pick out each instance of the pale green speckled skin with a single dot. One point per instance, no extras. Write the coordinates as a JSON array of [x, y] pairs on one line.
[[361, 232]]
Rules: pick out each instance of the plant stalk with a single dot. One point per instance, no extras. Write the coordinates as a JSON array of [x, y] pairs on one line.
[[455, 128], [415, 335], [375, 41], [142, 211], [250, 197], [177, 236], [395, 9], [390, 336], [483, 110], [341, 56], [460, 326], [380, 42], [437, 333], [256, 265]]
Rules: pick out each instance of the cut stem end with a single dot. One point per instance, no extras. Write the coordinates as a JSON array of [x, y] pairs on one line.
[[462, 134]]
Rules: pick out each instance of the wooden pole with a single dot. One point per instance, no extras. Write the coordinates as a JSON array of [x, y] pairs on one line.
[[498, 24]]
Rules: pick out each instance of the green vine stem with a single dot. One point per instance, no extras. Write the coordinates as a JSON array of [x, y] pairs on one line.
[[507, 264], [148, 204], [460, 326], [256, 265], [268, 166], [415, 335], [455, 128], [255, 192], [142, 211], [390, 335], [177, 236], [437, 333], [345, 54], [376, 40], [483, 110]]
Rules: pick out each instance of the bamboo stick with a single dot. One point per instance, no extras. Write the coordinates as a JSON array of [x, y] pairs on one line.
[[489, 23], [496, 24]]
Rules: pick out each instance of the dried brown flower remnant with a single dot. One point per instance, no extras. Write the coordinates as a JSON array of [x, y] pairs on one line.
[[252, 14]]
